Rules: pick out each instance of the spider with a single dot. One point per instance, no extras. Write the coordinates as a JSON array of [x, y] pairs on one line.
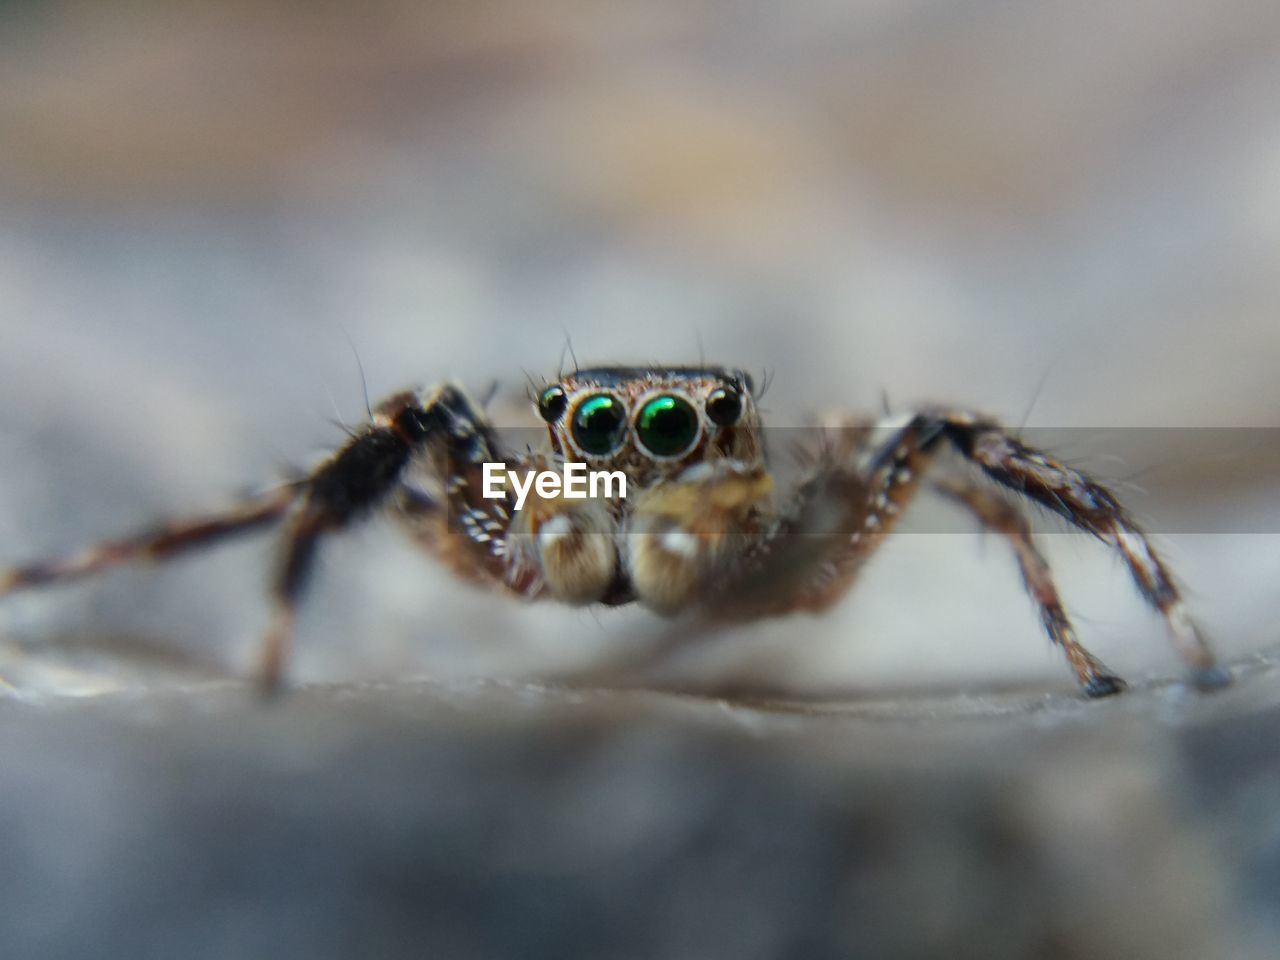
[[700, 531]]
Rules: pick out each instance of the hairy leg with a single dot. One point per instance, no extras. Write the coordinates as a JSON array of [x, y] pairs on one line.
[[810, 556], [853, 499], [365, 474], [161, 543], [1089, 506], [556, 547], [998, 515]]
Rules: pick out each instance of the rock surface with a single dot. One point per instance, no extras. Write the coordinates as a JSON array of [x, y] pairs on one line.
[[519, 820]]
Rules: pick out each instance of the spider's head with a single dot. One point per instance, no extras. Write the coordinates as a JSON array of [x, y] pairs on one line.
[[652, 422]]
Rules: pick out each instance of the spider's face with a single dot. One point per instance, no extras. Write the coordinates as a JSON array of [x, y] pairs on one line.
[[652, 422]]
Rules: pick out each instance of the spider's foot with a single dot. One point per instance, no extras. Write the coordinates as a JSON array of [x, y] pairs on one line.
[[275, 646], [1104, 685], [1207, 679], [270, 689]]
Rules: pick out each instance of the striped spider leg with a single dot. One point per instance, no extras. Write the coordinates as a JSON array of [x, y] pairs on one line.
[[409, 430], [850, 503]]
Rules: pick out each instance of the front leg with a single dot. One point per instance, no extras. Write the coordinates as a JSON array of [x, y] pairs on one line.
[[164, 542], [1000, 516], [890, 469], [350, 484], [1084, 503], [865, 481], [360, 477]]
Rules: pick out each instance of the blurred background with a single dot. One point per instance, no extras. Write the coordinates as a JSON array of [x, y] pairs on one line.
[[1065, 214]]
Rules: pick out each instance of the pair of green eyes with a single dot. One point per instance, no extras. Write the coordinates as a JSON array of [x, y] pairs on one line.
[[666, 426]]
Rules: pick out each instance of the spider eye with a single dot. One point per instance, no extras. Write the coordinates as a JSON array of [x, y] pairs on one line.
[[724, 406], [667, 426], [600, 424], [551, 404]]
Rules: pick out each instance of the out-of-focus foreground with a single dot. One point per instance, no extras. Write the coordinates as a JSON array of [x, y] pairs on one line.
[[1071, 210]]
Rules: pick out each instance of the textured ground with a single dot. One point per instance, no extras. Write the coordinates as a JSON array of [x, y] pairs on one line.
[[516, 820]]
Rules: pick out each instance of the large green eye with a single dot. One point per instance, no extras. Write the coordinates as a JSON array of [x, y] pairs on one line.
[[667, 426], [600, 424]]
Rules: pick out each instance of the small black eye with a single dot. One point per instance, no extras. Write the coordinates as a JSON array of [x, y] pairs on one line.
[[551, 404], [600, 424], [724, 406], [667, 426]]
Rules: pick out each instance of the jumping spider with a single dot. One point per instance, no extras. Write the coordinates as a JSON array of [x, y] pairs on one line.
[[699, 532]]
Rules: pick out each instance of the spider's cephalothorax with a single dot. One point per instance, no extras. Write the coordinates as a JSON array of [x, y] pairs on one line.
[[674, 432], [700, 529]]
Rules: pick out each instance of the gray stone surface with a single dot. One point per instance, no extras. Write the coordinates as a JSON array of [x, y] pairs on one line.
[[516, 820]]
